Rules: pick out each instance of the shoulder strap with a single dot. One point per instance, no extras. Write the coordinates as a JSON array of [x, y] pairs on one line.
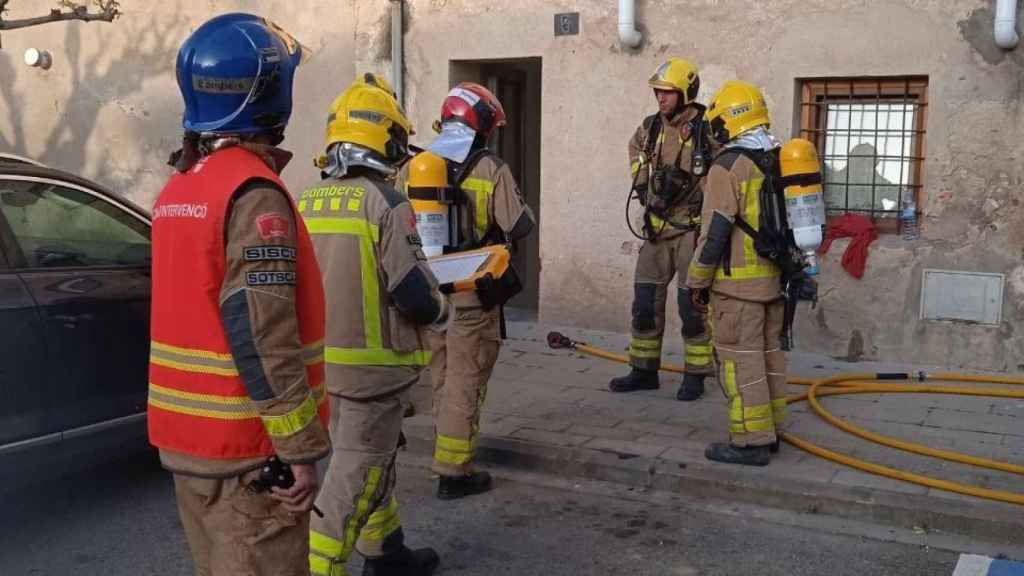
[[458, 172], [652, 124]]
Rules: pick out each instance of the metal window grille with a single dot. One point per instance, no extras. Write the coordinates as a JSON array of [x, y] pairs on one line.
[[870, 135]]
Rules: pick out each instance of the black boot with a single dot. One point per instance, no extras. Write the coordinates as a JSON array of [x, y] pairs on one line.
[[405, 562], [691, 388], [453, 487], [746, 455], [637, 379], [774, 446]]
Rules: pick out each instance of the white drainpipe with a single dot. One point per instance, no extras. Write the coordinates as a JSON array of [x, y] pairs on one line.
[[1006, 24], [397, 50], [629, 36]]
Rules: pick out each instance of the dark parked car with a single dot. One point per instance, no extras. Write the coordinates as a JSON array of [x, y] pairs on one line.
[[74, 320]]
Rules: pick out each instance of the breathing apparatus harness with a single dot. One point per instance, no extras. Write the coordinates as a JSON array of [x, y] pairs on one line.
[[773, 236], [492, 292], [668, 185]]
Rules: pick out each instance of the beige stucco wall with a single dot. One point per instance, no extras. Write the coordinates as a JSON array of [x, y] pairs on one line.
[[594, 94], [109, 107], [109, 110]]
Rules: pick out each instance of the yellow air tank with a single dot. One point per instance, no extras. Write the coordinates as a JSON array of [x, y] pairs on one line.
[[805, 202], [428, 182]]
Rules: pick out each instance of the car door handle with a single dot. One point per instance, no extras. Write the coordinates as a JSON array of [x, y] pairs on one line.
[[72, 320]]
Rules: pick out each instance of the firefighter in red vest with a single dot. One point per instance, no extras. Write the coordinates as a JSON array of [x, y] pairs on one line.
[[236, 365]]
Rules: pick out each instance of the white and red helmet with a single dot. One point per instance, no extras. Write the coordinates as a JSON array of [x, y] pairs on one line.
[[474, 106]]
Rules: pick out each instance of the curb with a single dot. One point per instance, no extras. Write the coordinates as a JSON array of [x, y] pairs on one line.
[[992, 523]]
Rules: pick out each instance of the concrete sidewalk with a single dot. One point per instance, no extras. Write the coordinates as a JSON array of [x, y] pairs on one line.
[[551, 410]]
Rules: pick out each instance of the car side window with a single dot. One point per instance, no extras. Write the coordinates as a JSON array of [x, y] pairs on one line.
[[57, 226]]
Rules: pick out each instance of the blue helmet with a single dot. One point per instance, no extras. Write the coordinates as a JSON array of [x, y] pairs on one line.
[[235, 74]]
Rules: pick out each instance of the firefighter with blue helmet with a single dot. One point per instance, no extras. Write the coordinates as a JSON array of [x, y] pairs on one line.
[[237, 363]]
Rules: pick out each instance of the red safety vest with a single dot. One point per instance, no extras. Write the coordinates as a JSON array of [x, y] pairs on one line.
[[198, 404]]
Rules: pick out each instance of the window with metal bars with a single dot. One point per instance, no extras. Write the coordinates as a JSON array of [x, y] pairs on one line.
[[870, 135]]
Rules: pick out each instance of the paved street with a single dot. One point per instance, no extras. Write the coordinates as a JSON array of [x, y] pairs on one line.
[[560, 398], [121, 520]]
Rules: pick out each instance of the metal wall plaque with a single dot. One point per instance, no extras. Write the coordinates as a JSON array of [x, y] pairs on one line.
[[567, 24], [964, 296]]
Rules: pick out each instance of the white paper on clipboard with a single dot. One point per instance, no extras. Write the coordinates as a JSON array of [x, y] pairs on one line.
[[456, 267]]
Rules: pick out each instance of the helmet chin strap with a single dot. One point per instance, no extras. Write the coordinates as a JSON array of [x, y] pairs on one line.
[[680, 107]]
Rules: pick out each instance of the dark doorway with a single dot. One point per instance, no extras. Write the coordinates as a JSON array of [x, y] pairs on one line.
[[517, 83]]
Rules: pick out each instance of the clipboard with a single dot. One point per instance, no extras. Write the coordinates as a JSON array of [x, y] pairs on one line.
[[462, 271]]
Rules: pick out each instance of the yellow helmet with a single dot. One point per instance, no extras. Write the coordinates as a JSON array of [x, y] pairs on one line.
[[370, 117], [427, 170], [677, 75], [736, 108]]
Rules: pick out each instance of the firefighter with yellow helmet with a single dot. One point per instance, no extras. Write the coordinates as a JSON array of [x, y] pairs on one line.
[[379, 292], [668, 155], [746, 303]]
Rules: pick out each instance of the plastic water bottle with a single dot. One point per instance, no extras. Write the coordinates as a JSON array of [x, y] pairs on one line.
[[909, 217]]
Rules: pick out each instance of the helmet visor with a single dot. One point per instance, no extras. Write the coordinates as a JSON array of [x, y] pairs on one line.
[[454, 142]]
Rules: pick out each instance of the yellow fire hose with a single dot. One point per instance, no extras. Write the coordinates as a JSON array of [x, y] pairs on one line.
[[871, 384]]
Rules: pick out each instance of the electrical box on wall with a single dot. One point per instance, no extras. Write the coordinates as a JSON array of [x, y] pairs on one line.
[[964, 296], [567, 24]]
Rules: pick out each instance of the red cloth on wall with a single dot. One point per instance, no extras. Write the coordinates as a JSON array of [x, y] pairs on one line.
[[863, 232]]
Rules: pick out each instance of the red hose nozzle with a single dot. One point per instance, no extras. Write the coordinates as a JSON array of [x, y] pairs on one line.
[[558, 340]]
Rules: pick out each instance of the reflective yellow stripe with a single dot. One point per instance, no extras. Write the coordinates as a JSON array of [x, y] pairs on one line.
[[779, 411], [454, 451], [758, 418], [216, 406], [375, 357], [641, 353], [191, 359], [335, 204], [292, 422], [701, 272], [203, 412], [362, 510], [698, 354], [659, 223], [749, 272], [454, 444], [313, 353], [735, 402], [752, 266], [324, 545], [645, 347], [354, 226], [382, 523], [322, 567], [325, 555], [699, 349], [369, 235], [207, 362], [193, 352], [751, 192], [371, 294], [302, 205], [192, 366], [318, 205], [634, 167], [207, 398], [483, 190]]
